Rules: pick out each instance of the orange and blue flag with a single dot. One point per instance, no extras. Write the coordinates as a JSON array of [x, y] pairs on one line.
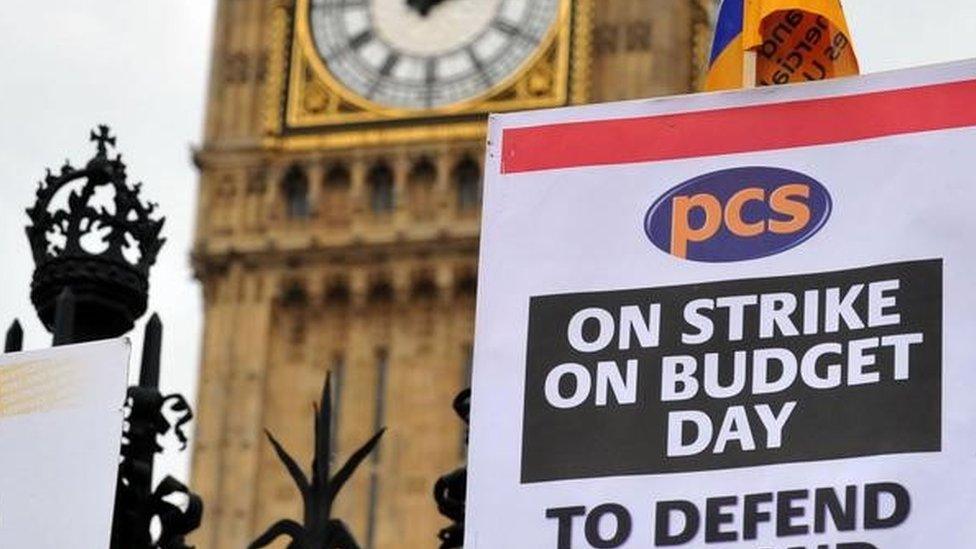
[[726, 59], [793, 41]]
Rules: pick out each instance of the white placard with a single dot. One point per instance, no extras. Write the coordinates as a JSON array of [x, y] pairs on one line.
[[738, 319], [60, 435]]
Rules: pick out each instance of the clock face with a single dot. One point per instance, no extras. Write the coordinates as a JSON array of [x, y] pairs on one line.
[[424, 54]]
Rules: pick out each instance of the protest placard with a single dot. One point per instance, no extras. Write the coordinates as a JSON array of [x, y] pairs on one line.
[[60, 434], [738, 319]]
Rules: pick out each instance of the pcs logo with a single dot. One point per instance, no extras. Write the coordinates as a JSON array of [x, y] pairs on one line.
[[738, 214]]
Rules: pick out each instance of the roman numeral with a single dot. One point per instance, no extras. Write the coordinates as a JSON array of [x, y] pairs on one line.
[[430, 71], [341, 4], [506, 27], [391, 62], [361, 39], [512, 30], [388, 65], [478, 65], [430, 79]]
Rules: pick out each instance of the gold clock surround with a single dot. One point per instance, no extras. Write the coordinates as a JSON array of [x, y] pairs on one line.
[[312, 109]]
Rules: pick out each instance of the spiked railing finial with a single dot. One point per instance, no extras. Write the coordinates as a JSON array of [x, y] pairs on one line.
[[15, 338], [318, 530]]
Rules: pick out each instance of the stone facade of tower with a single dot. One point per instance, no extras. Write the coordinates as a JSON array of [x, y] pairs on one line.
[[359, 259]]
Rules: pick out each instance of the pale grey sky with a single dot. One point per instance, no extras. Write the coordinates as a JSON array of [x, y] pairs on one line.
[[66, 65], [141, 67]]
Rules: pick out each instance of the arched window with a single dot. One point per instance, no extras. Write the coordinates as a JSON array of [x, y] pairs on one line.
[[423, 287], [295, 189], [423, 172], [380, 291], [338, 177], [467, 179], [467, 282], [420, 186], [380, 180], [336, 204], [293, 294], [337, 292]]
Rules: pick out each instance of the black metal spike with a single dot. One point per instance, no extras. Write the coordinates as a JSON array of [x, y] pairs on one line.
[[151, 347], [15, 338], [64, 317]]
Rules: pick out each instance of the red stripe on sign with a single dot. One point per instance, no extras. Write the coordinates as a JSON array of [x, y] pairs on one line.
[[740, 129]]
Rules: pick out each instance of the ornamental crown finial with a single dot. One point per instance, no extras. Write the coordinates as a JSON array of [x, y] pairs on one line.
[[104, 215], [90, 228]]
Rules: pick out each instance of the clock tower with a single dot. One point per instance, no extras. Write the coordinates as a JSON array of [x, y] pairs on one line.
[[338, 219]]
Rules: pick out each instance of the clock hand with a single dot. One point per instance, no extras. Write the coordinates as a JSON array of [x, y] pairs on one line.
[[423, 7]]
